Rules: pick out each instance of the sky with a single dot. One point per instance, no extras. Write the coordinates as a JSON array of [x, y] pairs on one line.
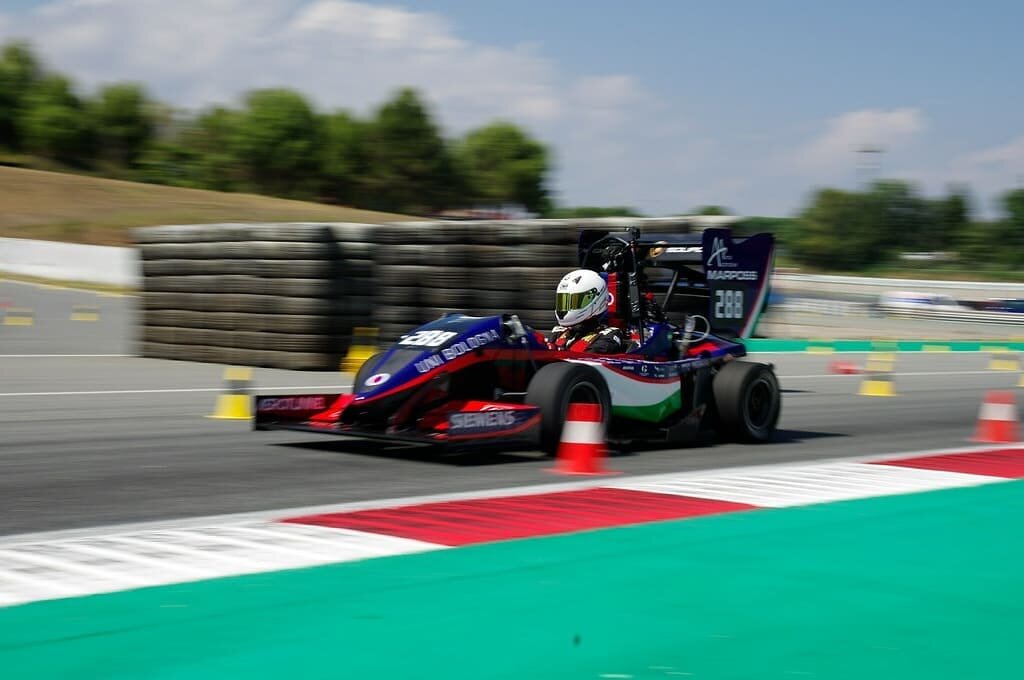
[[663, 106]]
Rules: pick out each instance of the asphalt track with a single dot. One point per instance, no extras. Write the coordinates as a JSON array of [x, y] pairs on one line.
[[91, 436]]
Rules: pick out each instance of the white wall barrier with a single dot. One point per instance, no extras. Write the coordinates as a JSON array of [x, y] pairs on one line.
[[71, 262]]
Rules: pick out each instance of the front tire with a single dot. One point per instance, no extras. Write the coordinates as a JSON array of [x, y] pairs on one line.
[[748, 401], [557, 385]]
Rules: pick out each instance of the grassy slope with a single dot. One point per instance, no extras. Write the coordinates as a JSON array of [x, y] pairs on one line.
[[73, 208]]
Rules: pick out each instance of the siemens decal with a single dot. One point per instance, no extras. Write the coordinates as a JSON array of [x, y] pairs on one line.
[[484, 419]]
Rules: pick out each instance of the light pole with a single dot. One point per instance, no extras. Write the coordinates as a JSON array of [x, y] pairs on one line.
[[871, 163]]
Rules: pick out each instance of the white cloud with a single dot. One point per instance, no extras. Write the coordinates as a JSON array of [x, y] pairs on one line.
[[1005, 157], [854, 130]]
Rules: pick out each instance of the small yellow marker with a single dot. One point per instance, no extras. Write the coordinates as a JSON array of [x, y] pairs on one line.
[[936, 348], [19, 316], [876, 384], [819, 347], [235, 403], [364, 346], [85, 313], [1004, 361]]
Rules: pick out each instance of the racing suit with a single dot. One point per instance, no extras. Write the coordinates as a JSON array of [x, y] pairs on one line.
[[589, 337]]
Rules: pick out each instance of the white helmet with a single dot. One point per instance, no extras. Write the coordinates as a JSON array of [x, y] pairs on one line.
[[581, 295]]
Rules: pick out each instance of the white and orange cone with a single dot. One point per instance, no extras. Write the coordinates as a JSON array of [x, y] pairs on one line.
[[581, 448], [997, 419]]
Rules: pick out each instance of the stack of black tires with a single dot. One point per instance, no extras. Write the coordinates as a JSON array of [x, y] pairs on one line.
[[281, 295], [428, 269], [293, 295]]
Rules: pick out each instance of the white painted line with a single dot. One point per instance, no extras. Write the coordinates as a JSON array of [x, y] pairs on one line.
[[172, 390], [907, 373], [810, 484], [47, 569], [60, 356]]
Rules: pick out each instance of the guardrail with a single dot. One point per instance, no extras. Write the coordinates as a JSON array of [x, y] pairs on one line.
[[967, 316], [865, 285]]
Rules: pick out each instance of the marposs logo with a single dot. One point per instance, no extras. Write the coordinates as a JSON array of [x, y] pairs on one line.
[[719, 253]]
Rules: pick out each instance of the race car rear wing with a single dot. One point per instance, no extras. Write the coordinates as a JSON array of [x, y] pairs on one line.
[[709, 273]]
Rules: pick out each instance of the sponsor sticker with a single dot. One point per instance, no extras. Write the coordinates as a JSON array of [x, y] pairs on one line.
[[378, 379], [291, 404], [484, 420]]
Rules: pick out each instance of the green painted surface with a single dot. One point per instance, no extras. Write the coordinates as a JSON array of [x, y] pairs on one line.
[[787, 345], [924, 586], [654, 413]]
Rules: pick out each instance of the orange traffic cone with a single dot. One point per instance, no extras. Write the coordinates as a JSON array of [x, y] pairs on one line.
[[997, 419], [581, 448]]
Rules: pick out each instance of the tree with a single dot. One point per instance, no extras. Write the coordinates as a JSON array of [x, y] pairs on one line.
[[711, 210], [586, 211], [951, 216], [344, 157], [277, 143], [19, 73], [409, 166], [123, 123], [502, 164], [1011, 230], [53, 122], [841, 230]]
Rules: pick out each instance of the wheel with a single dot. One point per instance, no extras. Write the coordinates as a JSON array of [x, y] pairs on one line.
[[557, 385], [365, 371], [748, 401]]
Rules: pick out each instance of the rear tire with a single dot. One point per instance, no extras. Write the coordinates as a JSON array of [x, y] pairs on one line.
[[748, 401], [557, 385]]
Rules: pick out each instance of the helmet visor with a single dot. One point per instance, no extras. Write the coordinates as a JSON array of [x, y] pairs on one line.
[[568, 302]]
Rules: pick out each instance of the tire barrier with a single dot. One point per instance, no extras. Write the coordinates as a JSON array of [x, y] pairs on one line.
[[291, 295]]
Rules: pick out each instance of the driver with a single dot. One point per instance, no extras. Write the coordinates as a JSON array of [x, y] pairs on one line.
[[581, 300]]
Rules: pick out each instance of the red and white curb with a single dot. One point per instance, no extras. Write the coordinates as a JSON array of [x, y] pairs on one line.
[[105, 559]]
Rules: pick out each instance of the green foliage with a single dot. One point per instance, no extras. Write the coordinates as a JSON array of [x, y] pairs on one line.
[[410, 168], [345, 161], [123, 122], [53, 124], [583, 212], [19, 73], [854, 230], [711, 210], [276, 141], [502, 164]]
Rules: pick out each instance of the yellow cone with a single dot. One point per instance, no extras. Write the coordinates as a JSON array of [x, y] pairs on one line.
[[364, 346], [1004, 360], [235, 402], [877, 385], [17, 316]]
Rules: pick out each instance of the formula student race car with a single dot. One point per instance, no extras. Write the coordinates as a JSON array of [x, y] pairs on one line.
[[464, 380]]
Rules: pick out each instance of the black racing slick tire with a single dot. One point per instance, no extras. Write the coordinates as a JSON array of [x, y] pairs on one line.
[[748, 401], [557, 385]]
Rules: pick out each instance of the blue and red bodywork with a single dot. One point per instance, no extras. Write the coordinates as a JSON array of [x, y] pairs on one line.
[[468, 389], [462, 380]]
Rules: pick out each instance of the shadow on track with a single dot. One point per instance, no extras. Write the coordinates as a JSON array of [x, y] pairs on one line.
[[421, 454], [797, 436]]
